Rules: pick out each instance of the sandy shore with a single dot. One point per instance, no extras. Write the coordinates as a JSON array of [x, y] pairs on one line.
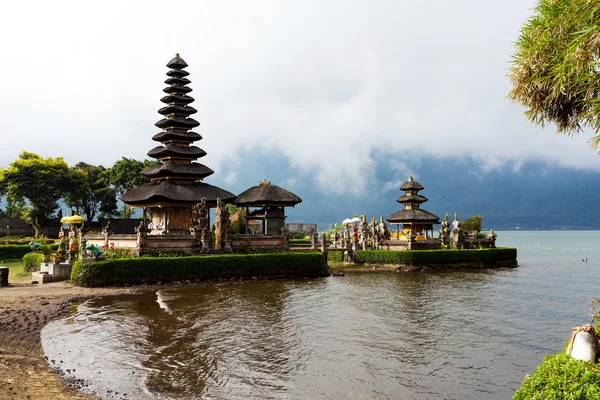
[[24, 310]]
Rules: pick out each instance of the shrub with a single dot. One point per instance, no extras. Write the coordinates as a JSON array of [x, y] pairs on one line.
[[17, 251], [32, 261], [154, 269], [560, 376], [336, 256], [425, 257]]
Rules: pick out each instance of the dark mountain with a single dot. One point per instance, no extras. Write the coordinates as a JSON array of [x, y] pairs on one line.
[[535, 196]]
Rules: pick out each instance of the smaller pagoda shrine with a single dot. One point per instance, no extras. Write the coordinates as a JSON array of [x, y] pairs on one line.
[[175, 179], [268, 202], [417, 224]]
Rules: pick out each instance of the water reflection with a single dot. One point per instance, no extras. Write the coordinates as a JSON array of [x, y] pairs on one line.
[[467, 335]]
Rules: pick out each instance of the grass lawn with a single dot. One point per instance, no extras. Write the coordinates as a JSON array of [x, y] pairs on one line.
[[15, 271]]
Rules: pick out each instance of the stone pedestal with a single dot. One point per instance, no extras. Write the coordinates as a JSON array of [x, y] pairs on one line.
[[41, 277]]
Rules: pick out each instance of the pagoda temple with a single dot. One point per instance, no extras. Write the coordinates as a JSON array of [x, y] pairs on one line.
[[175, 179], [269, 202], [417, 224]]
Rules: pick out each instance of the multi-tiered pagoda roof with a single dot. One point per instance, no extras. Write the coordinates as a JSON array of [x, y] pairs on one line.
[[176, 178], [412, 200]]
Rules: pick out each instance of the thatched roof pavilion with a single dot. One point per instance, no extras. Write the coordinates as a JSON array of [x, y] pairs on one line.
[[175, 179], [272, 200], [415, 221]]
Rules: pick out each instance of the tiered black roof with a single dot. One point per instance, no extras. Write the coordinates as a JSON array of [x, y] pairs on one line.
[[176, 167], [412, 201]]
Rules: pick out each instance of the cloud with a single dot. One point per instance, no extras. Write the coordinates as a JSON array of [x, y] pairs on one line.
[[326, 85]]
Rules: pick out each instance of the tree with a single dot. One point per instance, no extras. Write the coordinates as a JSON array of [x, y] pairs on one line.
[[555, 68], [473, 223], [239, 225], [92, 194], [39, 181], [124, 175]]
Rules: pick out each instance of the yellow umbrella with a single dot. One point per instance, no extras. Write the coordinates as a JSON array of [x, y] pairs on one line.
[[72, 219]]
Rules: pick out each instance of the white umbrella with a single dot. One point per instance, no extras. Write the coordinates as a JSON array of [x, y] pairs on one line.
[[355, 219], [346, 221]]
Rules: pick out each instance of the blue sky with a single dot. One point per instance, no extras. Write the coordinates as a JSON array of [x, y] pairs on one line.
[[334, 88]]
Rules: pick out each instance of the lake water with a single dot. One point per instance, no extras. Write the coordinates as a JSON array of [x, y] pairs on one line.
[[462, 335]]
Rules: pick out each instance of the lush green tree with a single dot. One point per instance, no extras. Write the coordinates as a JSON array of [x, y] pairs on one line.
[[239, 225], [473, 223], [92, 194], [41, 182], [124, 175], [16, 208], [556, 64]]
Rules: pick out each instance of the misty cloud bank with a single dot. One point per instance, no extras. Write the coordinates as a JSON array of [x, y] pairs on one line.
[[336, 88]]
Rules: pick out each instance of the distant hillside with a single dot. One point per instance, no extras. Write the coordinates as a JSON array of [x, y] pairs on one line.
[[538, 196]]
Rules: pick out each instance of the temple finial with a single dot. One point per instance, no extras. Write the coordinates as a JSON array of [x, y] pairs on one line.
[[177, 55]]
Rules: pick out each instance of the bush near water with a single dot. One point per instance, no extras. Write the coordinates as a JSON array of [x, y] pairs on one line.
[[560, 376], [427, 257], [121, 271]]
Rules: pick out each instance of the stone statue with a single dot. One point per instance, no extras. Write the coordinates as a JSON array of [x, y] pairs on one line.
[[226, 230], [373, 231], [286, 239], [445, 231], [458, 236], [324, 245], [199, 224], [492, 235], [141, 234], [384, 233], [314, 239], [363, 232], [219, 218], [335, 237]]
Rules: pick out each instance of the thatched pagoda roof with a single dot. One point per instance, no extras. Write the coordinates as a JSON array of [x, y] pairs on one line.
[[192, 171], [169, 192], [411, 184], [409, 198], [266, 194], [414, 216]]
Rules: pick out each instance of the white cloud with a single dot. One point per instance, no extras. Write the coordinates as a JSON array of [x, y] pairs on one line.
[[325, 84]]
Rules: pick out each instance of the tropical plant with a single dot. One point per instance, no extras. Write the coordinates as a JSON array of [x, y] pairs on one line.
[[124, 175], [554, 73], [92, 194], [41, 182], [473, 223]]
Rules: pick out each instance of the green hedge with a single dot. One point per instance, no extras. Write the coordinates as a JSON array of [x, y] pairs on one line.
[[560, 376], [32, 261], [154, 269], [13, 251], [425, 257], [17, 251]]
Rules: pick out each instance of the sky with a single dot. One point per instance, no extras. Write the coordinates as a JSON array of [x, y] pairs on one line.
[[335, 88]]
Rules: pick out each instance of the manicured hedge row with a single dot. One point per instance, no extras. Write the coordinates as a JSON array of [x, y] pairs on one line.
[[153, 269], [13, 251], [560, 376], [16, 251], [32, 261], [425, 257]]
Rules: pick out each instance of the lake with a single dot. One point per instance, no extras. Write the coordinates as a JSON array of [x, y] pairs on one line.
[[372, 335]]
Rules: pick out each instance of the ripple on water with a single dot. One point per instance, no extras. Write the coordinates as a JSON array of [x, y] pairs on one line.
[[418, 336]]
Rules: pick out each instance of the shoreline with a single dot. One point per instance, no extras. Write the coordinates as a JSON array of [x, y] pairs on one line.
[[24, 310]]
